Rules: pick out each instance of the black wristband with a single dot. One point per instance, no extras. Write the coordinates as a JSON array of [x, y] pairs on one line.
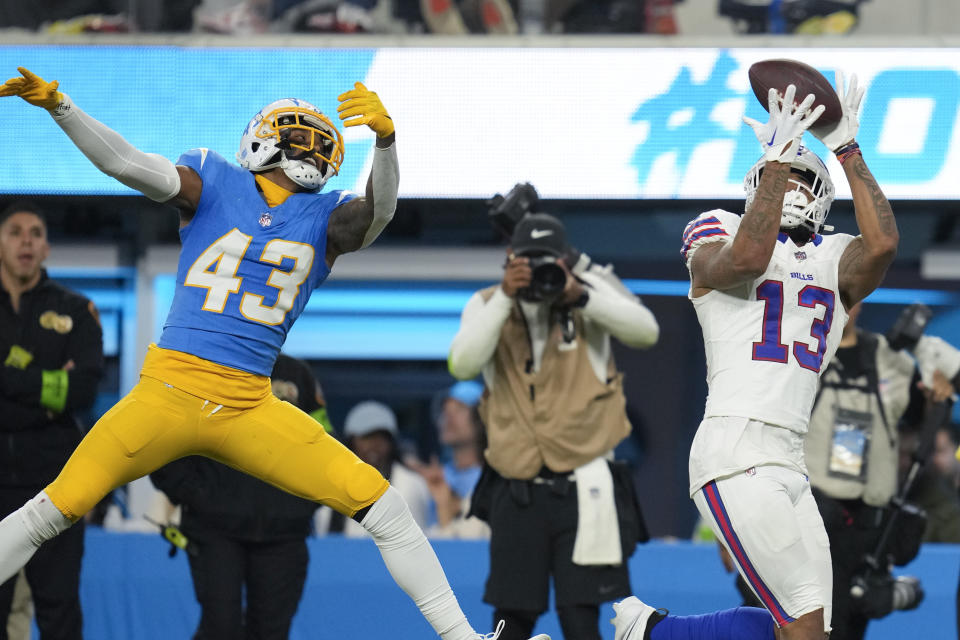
[[581, 302]]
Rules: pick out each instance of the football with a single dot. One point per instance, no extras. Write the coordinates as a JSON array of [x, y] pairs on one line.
[[779, 73]]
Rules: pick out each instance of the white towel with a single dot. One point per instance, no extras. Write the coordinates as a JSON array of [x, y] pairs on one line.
[[598, 531]]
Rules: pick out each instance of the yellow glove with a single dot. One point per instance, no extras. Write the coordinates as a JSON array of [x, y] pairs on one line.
[[33, 89], [362, 106]]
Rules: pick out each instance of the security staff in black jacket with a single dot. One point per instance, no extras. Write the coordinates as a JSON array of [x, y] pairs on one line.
[[51, 347], [245, 535]]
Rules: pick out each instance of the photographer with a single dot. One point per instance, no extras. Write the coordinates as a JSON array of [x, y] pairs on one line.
[[554, 410], [851, 451]]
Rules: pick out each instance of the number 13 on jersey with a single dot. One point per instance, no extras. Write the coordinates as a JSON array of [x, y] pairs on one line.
[[216, 271], [770, 348]]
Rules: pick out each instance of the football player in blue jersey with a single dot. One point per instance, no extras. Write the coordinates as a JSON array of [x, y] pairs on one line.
[[256, 240]]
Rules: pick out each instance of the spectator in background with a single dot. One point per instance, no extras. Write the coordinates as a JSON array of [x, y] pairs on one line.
[[851, 449], [610, 16], [554, 411], [945, 450], [810, 17], [52, 349], [451, 484], [370, 431], [460, 17], [932, 492], [248, 552], [240, 17], [98, 16]]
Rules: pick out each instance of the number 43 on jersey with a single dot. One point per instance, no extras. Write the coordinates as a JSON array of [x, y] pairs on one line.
[[216, 271]]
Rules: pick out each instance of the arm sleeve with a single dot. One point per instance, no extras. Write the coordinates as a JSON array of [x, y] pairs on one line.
[[385, 176], [151, 174], [625, 318], [476, 341]]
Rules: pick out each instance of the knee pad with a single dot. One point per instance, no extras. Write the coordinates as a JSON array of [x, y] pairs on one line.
[[364, 484], [42, 519]]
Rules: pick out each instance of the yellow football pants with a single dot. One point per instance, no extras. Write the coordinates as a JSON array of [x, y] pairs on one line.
[[157, 423]]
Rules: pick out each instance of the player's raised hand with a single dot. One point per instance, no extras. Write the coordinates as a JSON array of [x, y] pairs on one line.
[[780, 136], [845, 131], [362, 106], [33, 89]]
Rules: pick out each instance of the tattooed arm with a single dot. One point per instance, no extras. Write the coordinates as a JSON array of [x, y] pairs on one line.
[[723, 265], [865, 260], [355, 224]]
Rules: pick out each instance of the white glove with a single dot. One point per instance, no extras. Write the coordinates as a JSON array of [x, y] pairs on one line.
[[835, 136], [780, 137], [936, 354]]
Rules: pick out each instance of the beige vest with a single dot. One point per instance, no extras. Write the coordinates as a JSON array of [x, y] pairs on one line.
[[894, 374], [561, 416]]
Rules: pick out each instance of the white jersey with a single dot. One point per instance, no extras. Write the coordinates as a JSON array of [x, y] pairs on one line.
[[768, 341]]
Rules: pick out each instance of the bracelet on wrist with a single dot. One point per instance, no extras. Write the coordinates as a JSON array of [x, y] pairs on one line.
[[845, 152]]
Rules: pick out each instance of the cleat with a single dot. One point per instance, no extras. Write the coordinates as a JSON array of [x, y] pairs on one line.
[[634, 619]]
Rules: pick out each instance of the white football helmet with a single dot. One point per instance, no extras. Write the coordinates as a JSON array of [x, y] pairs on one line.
[[808, 202], [266, 143]]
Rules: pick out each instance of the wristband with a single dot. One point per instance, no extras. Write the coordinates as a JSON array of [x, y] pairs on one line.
[[64, 107], [845, 152], [53, 390]]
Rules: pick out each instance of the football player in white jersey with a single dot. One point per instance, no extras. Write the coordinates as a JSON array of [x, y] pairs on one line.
[[772, 295]]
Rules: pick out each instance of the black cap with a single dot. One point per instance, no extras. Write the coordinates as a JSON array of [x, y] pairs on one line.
[[539, 233]]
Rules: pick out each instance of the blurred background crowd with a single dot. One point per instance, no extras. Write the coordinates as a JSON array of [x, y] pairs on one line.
[[459, 17]]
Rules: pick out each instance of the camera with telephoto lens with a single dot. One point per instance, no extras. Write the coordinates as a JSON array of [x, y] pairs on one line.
[[538, 236], [506, 211], [909, 327], [878, 594], [547, 279]]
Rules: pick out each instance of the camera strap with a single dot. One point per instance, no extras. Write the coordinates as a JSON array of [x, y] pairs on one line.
[[867, 345]]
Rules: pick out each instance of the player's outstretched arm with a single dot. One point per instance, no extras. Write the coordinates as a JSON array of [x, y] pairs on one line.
[[724, 265], [152, 175], [865, 260], [357, 223]]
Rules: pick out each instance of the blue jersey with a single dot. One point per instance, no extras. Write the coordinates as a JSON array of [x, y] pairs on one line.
[[246, 270]]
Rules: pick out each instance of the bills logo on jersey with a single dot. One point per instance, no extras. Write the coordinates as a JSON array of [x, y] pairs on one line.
[[265, 219]]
